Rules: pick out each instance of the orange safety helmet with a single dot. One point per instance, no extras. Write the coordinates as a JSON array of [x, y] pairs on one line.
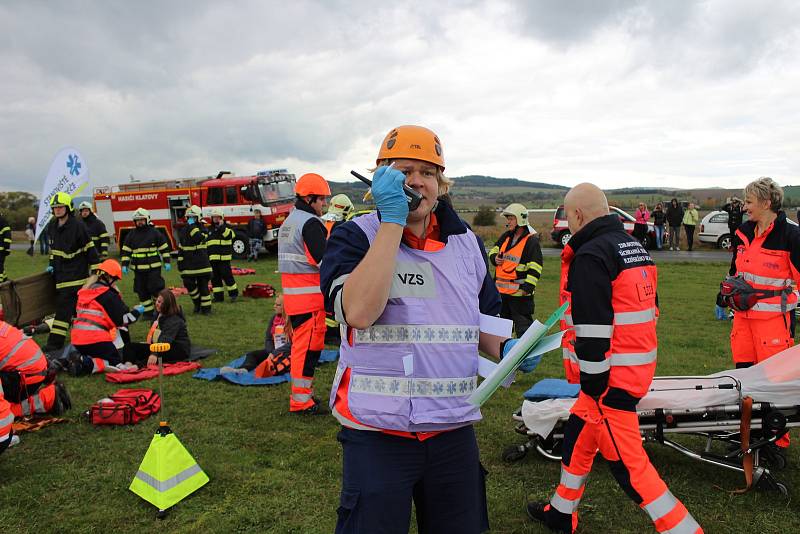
[[412, 142], [111, 268], [312, 184]]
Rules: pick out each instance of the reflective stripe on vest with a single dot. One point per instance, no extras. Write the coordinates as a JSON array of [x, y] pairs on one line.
[[393, 386], [408, 333]]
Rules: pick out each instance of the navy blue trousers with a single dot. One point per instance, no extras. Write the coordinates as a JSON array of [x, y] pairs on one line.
[[383, 474]]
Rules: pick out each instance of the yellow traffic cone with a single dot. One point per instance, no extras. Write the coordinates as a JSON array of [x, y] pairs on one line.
[[168, 473]]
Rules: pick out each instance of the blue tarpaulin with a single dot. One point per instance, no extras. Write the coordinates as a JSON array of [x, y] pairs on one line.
[[249, 379]]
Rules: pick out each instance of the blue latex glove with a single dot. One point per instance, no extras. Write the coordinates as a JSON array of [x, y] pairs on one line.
[[168, 267], [387, 190], [49, 269], [124, 270], [508, 346], [528, 364], [139, 308]]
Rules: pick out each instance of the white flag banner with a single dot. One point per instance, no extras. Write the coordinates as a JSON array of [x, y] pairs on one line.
[[69, 174]]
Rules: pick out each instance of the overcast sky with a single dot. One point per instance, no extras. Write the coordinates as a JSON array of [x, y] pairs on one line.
[[621, 93]]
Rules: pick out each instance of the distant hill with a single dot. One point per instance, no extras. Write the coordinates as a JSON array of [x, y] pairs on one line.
[[472, 191], [476, 180]]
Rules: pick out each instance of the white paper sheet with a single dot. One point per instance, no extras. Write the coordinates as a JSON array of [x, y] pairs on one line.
[[496, 326]]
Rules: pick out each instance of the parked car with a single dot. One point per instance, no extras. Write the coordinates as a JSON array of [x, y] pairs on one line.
[[561, 233], [714, 229]]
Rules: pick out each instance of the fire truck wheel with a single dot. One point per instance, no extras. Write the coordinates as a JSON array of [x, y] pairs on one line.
[[241, 246]]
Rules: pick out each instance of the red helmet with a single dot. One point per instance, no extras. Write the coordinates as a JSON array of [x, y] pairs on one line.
[[312, 184]]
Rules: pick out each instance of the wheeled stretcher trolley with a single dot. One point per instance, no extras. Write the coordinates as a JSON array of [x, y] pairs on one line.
[[739, 414]]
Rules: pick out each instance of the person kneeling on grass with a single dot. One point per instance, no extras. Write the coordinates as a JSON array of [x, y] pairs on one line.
[[101, 317], [275, 357], [168, 327]]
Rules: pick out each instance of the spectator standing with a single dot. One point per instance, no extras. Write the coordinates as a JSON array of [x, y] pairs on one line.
[[733, 207], [255, 232], [641, 217], [690, 220], [30, 231], [674, 219], [659, 222]]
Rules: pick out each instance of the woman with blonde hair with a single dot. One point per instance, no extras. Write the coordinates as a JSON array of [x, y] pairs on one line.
[[765, 264]]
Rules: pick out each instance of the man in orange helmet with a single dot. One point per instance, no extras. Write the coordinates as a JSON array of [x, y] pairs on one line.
[[301, 245]]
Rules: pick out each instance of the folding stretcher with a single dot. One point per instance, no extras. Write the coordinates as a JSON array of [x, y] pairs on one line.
[[714, 407]]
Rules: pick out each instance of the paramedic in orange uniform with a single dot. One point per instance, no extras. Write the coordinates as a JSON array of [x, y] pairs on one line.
[[610, 282], [766, 254]]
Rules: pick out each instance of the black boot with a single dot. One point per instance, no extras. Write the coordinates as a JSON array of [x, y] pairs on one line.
[[536, 511]]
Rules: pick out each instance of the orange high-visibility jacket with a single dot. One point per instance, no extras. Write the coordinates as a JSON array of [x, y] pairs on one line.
[[92, 323], [6, 418], [21, 354], [610, 283], [770, 261]]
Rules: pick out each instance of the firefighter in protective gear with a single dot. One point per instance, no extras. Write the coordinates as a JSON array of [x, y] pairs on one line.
[[766, 255], [517, 257], [339, 208], [409, 286], [193, 261], [610, 282], [25, 380], [144, 251], [96, 228], [220, 253], [102, 319], [5, 250], [72, 255], [301, 244]]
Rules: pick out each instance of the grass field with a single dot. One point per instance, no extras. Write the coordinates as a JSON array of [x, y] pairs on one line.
[[273, 472]]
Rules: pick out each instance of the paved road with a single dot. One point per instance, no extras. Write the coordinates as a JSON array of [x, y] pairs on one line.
[[664, 256]]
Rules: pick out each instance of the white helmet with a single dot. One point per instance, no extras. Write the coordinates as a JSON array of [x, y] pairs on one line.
[[141, 213], [518, 211], [85, 205]]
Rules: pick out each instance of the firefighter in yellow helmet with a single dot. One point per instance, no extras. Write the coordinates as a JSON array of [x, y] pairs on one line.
[[144, 251], [301, 244], [72, 256], [220, 253], [517, 257]]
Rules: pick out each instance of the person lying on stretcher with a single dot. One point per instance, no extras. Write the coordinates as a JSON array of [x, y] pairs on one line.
[[275, 357]]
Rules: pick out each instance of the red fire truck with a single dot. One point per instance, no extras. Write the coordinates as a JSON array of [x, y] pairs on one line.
[[271, 192]]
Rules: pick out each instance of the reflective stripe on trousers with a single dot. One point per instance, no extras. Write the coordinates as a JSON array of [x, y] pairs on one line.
[[615, 360]]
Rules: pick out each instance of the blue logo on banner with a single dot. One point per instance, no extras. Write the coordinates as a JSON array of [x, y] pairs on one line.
[[73, 164]]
